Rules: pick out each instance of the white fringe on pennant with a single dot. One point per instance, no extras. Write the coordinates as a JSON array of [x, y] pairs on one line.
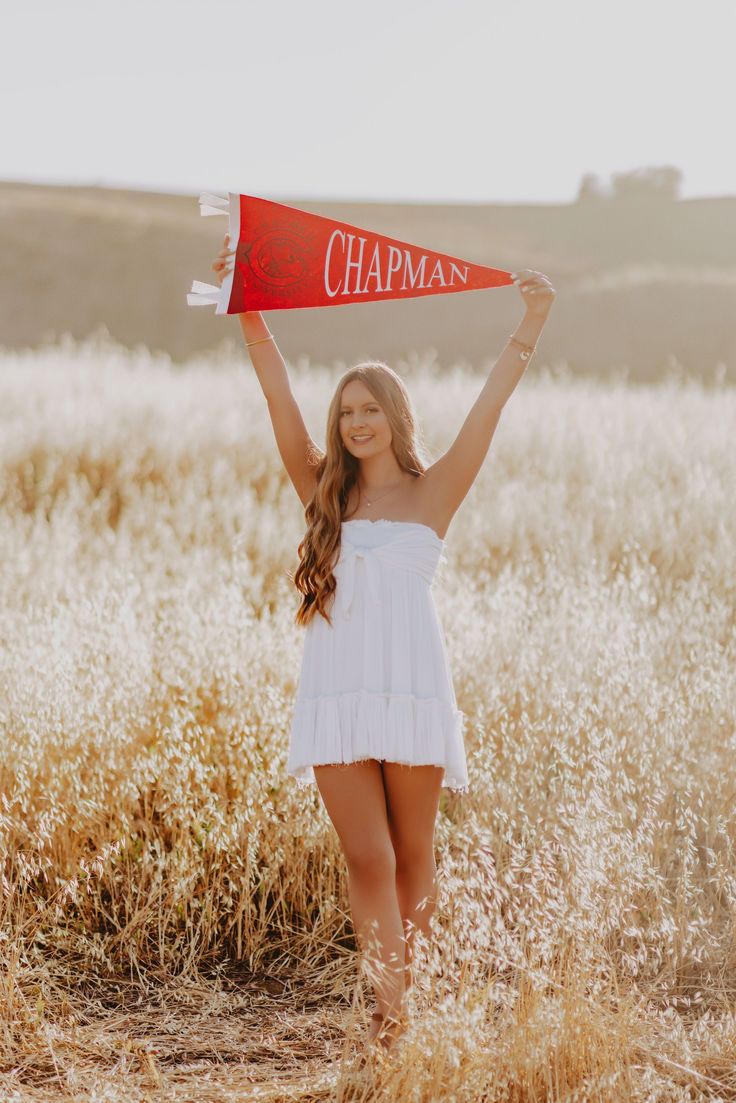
[[209, 294], [210, 204], [203, 294]]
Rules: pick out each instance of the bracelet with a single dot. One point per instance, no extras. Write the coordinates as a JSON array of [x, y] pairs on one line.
[[527, 350], [249, 343]]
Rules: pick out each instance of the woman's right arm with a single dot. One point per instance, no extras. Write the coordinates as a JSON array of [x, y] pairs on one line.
[[298, 451]]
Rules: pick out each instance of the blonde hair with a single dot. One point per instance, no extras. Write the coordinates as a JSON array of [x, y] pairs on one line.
[[337, 473]]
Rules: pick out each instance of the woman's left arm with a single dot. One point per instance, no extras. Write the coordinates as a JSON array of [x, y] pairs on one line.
[[451, 477]]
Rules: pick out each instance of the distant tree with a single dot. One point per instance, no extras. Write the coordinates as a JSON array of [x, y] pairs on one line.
[[657, 182], [590, 188]]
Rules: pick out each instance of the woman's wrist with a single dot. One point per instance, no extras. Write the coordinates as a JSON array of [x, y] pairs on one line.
[[253, 325], [530, 327]]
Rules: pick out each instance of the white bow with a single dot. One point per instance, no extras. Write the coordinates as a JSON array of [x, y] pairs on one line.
[[345, 573]]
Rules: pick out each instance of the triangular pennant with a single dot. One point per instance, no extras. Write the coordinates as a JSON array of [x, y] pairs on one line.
[[289, 258]]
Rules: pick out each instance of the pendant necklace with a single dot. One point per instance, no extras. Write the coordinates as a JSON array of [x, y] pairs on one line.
[[371, 503]]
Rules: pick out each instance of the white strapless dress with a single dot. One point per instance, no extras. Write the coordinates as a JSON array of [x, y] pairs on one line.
[[377, 684]]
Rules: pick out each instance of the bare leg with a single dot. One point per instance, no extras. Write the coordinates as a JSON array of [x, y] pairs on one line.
[[412, 794], [355, 799]]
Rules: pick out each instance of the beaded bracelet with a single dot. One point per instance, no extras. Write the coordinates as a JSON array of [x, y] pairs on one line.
[[249, 343]]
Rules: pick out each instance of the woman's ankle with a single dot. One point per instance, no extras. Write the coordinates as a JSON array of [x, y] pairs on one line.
[[391, 1029]]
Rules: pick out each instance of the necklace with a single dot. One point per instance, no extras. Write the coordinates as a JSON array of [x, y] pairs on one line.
[[371, 503]]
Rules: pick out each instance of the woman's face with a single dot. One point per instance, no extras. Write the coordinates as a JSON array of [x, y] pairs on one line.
[[361, 416]]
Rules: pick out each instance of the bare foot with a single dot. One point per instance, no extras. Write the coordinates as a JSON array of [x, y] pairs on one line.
[[391, 1030], [370, 1044]]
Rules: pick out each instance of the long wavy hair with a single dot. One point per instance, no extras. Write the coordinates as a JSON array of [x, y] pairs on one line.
[[336, 474]]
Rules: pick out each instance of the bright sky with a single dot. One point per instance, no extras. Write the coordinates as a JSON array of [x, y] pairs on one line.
[[477, 100]]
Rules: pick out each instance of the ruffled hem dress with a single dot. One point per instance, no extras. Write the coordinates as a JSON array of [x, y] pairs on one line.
[[377, 682]]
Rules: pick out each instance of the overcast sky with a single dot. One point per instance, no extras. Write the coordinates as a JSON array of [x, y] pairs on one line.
[[377, 99]]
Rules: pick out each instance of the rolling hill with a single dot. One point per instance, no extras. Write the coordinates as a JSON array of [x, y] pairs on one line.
[[643, 285]]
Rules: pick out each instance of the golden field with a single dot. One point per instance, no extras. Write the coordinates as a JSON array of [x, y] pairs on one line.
[[175, 916]]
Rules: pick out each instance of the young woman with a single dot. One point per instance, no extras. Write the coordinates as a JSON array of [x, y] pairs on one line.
[[375, 723]]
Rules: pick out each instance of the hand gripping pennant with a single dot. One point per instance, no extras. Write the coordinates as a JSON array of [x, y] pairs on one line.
[[289, 258]]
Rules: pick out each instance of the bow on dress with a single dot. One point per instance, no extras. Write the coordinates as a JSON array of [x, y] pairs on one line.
[[409, 550], [345, 572]]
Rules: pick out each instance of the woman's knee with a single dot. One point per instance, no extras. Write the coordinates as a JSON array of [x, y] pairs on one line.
[[371, 859], [415, 862]]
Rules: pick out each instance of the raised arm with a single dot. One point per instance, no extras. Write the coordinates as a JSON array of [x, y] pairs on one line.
[[298, 451], [449, 479]]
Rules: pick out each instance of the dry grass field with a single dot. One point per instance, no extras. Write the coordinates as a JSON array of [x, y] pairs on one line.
[[175, 915]]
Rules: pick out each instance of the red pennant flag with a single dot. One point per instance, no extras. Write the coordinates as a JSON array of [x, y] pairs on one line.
[[289, 258]]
